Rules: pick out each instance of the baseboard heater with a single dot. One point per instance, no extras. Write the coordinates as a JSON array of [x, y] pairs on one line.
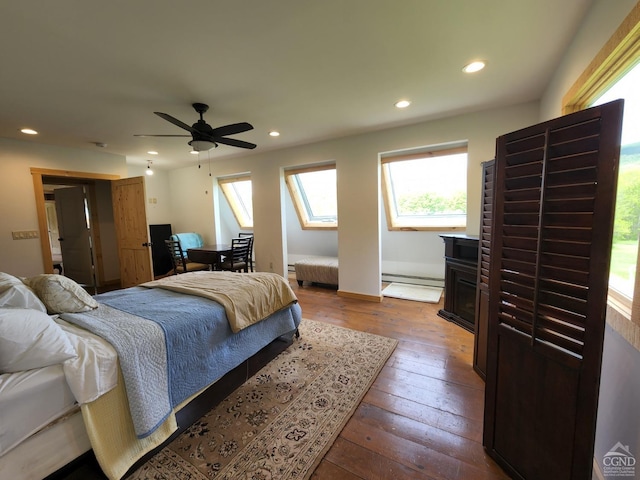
[[398, 277], [413, 279]]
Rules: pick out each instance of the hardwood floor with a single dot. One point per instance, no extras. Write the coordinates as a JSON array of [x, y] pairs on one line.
[[422, 418]]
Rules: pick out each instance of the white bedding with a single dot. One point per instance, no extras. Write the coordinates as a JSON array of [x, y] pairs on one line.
[[31, 399], [95, 370]]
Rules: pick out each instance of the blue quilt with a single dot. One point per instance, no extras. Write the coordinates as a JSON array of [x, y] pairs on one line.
[[171, 345]]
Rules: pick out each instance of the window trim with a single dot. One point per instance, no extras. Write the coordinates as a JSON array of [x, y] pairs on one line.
[[612, 62], [236, 208], [386, 186], [297, 197]]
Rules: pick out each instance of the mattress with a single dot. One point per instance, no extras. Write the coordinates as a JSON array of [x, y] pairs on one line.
[[29, 401]]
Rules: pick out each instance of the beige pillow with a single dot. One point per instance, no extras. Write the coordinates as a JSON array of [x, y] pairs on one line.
[[60, 294]]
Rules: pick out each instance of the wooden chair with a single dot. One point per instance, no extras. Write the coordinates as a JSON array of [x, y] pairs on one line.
[[180, 263], [243, 235], [238, 258]]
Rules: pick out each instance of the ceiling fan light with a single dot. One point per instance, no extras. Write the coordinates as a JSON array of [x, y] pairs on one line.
[[474, 66], [202, 145]]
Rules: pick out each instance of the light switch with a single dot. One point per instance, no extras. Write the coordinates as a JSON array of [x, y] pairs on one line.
[[24, 234]]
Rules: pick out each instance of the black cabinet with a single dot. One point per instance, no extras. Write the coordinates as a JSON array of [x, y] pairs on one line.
[[159, 252], [460, 280]]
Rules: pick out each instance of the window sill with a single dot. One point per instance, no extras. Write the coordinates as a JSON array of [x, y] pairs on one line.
[[619, 318]]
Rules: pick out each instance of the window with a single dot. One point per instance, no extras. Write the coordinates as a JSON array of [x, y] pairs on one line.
[[426, 190], [237, 191], [314, 194], [627, 217], [613, 74]]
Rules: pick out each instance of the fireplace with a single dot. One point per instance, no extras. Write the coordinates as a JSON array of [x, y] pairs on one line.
[[460, 279]]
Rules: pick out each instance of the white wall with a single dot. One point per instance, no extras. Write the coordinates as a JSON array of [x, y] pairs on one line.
[[361, 236], [17, 198], [602, 20], [158, 204]]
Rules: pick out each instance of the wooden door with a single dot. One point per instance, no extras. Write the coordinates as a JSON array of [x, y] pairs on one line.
[[74, 228], [129, 212], [548, 275]]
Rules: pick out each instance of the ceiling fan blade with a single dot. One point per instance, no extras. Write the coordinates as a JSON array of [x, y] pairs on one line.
[[175, 121], [233, 142], [231, 129], [151, 135]]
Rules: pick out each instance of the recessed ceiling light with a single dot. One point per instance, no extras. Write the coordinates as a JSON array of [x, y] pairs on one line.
[[274, 133], [402, 103], [152, 152], [29, 131], [474, 67]]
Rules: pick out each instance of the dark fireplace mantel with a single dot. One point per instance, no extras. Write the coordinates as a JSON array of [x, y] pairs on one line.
[[460, 279]]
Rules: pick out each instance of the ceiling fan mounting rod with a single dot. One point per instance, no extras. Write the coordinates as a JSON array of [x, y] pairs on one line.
[[200, 108]]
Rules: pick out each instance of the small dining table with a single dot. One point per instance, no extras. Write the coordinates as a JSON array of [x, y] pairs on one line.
[[209, 254]]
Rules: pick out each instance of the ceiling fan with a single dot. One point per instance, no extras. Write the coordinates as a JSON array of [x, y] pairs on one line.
[[203, 137]]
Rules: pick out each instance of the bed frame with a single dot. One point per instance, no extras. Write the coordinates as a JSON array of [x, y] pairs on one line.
[[200, 405]]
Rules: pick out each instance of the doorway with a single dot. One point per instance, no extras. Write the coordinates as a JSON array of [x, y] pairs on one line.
[[92, 258]]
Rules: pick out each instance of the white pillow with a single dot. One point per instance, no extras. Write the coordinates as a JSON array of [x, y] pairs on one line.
[[31, 339], [7, 281], [61, 294], [15, 294]]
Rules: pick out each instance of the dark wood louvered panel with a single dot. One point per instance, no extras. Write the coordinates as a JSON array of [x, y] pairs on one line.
[[525, 148], [484, 257], [548, 268], [485, 226], [572, 162], [569, 172], [563, 288]]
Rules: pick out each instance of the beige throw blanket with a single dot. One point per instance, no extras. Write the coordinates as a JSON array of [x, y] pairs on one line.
[[246, 297]]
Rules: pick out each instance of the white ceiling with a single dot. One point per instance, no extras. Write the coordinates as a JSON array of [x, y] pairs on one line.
[[82, 72]]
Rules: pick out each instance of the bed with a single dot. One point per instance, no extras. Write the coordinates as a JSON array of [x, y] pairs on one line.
[[71, 385]]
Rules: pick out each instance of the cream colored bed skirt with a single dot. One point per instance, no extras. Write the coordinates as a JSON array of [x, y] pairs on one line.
[[110, 429]]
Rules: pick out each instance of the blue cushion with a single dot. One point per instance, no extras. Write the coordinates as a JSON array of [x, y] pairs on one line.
[[188, 240]]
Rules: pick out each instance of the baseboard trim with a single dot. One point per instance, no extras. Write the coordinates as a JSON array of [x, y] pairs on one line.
[[360, 296], [597, 473]]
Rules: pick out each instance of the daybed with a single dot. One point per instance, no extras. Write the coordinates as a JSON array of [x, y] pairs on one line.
[[62, 391], [322, 270]]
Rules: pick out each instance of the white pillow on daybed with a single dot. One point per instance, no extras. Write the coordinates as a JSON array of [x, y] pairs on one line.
[[31, 339], [60, 294], [15, 294]]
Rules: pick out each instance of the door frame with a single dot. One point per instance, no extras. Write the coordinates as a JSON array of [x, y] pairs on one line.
[[38, 187]]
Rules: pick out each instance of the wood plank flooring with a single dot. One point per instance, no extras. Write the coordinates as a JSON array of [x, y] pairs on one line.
[[422, 417]]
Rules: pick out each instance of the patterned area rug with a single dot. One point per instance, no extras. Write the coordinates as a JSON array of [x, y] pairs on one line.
[[282, 421]]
